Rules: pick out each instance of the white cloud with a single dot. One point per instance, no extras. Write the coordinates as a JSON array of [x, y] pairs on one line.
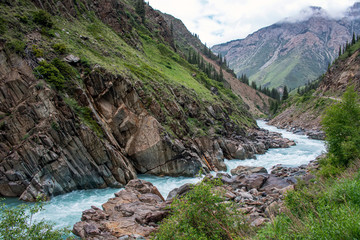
[[221, 21]]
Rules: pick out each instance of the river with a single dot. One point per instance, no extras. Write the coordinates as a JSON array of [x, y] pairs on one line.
[[66, 210]]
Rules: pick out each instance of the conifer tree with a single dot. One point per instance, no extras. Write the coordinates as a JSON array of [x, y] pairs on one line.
[[140, 9], [285, 94], [221, 77], [353, 41]]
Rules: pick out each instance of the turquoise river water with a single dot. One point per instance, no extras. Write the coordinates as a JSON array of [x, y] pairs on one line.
[[66, 210]]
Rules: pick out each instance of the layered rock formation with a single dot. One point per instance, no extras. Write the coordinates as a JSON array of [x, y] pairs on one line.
[[132, 213], [45, 150], [80, 124]]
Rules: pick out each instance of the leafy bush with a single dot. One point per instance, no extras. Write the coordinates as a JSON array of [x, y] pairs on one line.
[[38, 52], [3, 26], [60, 48], [50, 74], [341, 124], [202, 214], [17, 46], [43, 18], [65, 69], [17, 223]]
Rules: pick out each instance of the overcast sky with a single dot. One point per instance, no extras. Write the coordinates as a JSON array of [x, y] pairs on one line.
[[219, 21]]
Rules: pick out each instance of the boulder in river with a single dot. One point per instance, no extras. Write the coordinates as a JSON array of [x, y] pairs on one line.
[[134, 212], [247, 170]]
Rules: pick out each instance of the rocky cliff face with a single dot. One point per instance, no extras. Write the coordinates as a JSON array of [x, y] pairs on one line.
[[45, 150], [291, 52], [90, 96]]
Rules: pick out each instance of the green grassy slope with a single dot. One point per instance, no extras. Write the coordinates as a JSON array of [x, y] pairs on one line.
[[139, 54]]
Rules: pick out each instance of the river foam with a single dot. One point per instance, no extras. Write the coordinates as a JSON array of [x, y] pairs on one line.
[[66, 210]]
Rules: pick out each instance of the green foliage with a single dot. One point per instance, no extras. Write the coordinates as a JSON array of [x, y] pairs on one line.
[[3, 26], [140, 9], [202, 214], [50, 74], [17, 46], [65, 69], [285, 94], [26, 136], [17, 223], [43, 18], [60, 48], [274, 106], [85, 115], [38, 52], [341, 124], [328, 169], [55, 126], [322, 211]]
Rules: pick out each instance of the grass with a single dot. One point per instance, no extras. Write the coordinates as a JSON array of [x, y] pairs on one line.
[[151, 61], [85, 115], [327, 209]]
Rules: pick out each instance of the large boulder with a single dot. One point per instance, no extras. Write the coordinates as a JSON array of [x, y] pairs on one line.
[[247, 170], [134, 212]]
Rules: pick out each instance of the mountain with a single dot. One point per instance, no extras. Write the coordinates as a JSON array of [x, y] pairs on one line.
[[294, 51], [257, 102], [304, 112], [93, 94]]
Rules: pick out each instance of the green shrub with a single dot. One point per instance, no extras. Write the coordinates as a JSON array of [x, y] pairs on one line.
[[60, 48], [55, 126], [164, 50], [38, 52], [17, 46], [17, 223], [3, 26], [341, 124], [43, 18], [50, 74], [48, 32], [26, 136], [85, 115], [66, 70], [202, 214], [347, 191], [328, 169]]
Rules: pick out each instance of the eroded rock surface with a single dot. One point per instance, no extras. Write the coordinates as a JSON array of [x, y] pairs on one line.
[[133, 212], [137, 210]]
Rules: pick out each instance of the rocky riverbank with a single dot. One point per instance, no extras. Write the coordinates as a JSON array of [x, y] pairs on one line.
[[109, 130], [298, 127], [136, 211]]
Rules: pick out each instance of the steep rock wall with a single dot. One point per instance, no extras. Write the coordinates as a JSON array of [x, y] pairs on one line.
[[45, 149]]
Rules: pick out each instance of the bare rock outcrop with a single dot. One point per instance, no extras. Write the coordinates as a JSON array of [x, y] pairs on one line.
[[134, 212], [137, 210], [45, 149]]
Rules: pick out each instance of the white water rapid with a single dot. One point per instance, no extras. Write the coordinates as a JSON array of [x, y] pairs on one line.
[[66, 210]]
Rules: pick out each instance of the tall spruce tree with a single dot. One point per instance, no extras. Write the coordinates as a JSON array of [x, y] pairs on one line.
[[140, 9], [285, 94]]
